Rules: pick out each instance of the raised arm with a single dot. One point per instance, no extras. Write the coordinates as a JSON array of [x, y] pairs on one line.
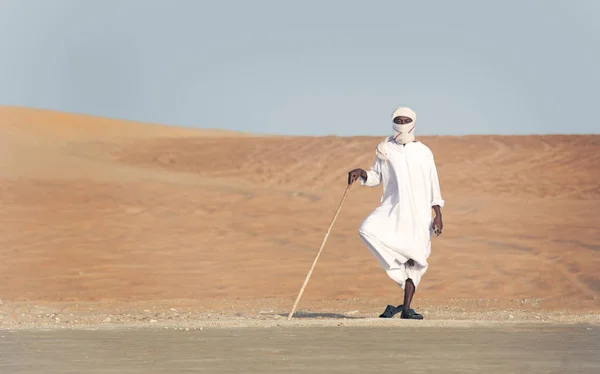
[[369, 178], [372, 176]]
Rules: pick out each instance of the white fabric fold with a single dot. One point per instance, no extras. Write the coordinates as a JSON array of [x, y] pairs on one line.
[[401, 227]]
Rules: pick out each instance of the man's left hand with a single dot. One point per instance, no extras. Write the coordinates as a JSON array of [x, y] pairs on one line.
[[438, 225]]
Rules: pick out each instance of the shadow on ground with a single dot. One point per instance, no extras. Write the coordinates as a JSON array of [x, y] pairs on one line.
[[319, 315]]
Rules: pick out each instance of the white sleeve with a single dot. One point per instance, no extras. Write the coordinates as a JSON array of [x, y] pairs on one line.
[[373, 175], [436, 195]]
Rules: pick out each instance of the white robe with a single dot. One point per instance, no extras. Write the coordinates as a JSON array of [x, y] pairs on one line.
[[401, 228]]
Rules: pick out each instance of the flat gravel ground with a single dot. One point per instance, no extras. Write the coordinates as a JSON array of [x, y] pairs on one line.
[[307, 347]]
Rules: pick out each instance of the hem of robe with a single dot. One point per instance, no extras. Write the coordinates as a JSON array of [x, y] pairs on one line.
[[404, 272]]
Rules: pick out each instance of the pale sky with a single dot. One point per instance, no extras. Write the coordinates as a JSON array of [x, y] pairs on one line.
[[309, 67]]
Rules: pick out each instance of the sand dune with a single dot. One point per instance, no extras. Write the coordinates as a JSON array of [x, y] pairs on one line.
[[97, 209]]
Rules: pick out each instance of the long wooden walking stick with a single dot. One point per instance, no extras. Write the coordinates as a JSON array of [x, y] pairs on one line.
[[318, 253]]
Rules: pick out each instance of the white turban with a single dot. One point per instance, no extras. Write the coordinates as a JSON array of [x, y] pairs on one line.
[[405, 112], [402, 133]]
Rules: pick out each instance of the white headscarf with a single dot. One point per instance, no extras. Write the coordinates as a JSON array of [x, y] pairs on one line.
[[402, 133]]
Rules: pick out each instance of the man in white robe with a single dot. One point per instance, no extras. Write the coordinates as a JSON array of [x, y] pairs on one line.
[[399, 232]]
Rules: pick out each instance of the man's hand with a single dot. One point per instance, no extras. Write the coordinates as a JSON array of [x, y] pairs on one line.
[[438, 225], [355, 174]]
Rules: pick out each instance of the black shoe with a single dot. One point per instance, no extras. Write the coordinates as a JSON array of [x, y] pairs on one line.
[[391, 311], [410, 314]]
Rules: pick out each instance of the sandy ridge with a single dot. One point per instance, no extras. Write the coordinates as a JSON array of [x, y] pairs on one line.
[[96, 209]]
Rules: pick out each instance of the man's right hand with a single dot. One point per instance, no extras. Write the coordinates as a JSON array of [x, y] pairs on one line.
[[355, 174]]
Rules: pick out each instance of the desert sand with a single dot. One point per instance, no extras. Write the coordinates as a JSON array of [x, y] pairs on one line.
[[141, 248], [112, 222]]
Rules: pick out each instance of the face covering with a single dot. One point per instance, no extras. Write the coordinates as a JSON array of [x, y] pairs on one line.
[[404, 133]]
